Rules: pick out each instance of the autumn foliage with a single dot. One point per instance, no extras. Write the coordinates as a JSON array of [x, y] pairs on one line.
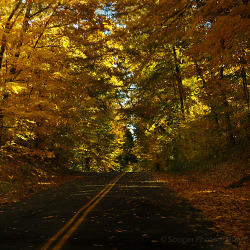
[[75, 74], [188, 61], [56, 70]]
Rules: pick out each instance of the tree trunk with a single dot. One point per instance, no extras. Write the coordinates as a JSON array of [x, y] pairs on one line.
[[226, 105], [1, 126], [245, 88], [6, 30], [25, 27], [179, 81], [87, 164]]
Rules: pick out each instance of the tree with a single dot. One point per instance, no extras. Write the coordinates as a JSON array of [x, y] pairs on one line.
[[75, 74], [186, 50], [127, 157], [52, 68]]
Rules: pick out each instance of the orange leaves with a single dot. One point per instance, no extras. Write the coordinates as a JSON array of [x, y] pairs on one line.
[[227, 209], [68, 69], [52, 71]]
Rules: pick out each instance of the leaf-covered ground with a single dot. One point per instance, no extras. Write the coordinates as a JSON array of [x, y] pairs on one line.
[[228, 209], [19, 180]]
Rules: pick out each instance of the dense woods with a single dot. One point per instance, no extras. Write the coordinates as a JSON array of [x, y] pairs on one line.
[[123, 85]]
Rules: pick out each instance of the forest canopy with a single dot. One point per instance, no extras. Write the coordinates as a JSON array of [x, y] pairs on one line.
[[100, 85]]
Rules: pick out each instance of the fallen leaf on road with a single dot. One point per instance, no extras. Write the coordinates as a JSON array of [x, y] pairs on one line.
[[48, 217]]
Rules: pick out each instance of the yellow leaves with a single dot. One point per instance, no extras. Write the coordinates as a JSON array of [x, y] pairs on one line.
[[109, 62], [83, 1], [115, 45], [206, 191], [65, 42], [26, 136], [115, 81], [108, 26], [83, 148], [73, 109], [15, 87], [29, 121], [77, 53], [58, 75]]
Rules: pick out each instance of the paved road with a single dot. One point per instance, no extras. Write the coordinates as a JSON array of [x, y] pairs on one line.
[[106, 211]]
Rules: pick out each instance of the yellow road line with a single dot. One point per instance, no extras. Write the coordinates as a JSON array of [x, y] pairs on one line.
[[91, 204]]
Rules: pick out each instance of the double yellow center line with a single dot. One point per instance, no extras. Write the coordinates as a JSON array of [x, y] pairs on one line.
[[74, 223]]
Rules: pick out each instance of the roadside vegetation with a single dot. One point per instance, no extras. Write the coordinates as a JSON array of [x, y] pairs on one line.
[[20, 179]]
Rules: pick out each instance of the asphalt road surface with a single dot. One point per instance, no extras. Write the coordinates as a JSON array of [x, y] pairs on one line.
[[107, 211]]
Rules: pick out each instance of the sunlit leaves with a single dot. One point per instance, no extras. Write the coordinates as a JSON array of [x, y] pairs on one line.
[[182, 56], [50, 52], [82, 70]]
